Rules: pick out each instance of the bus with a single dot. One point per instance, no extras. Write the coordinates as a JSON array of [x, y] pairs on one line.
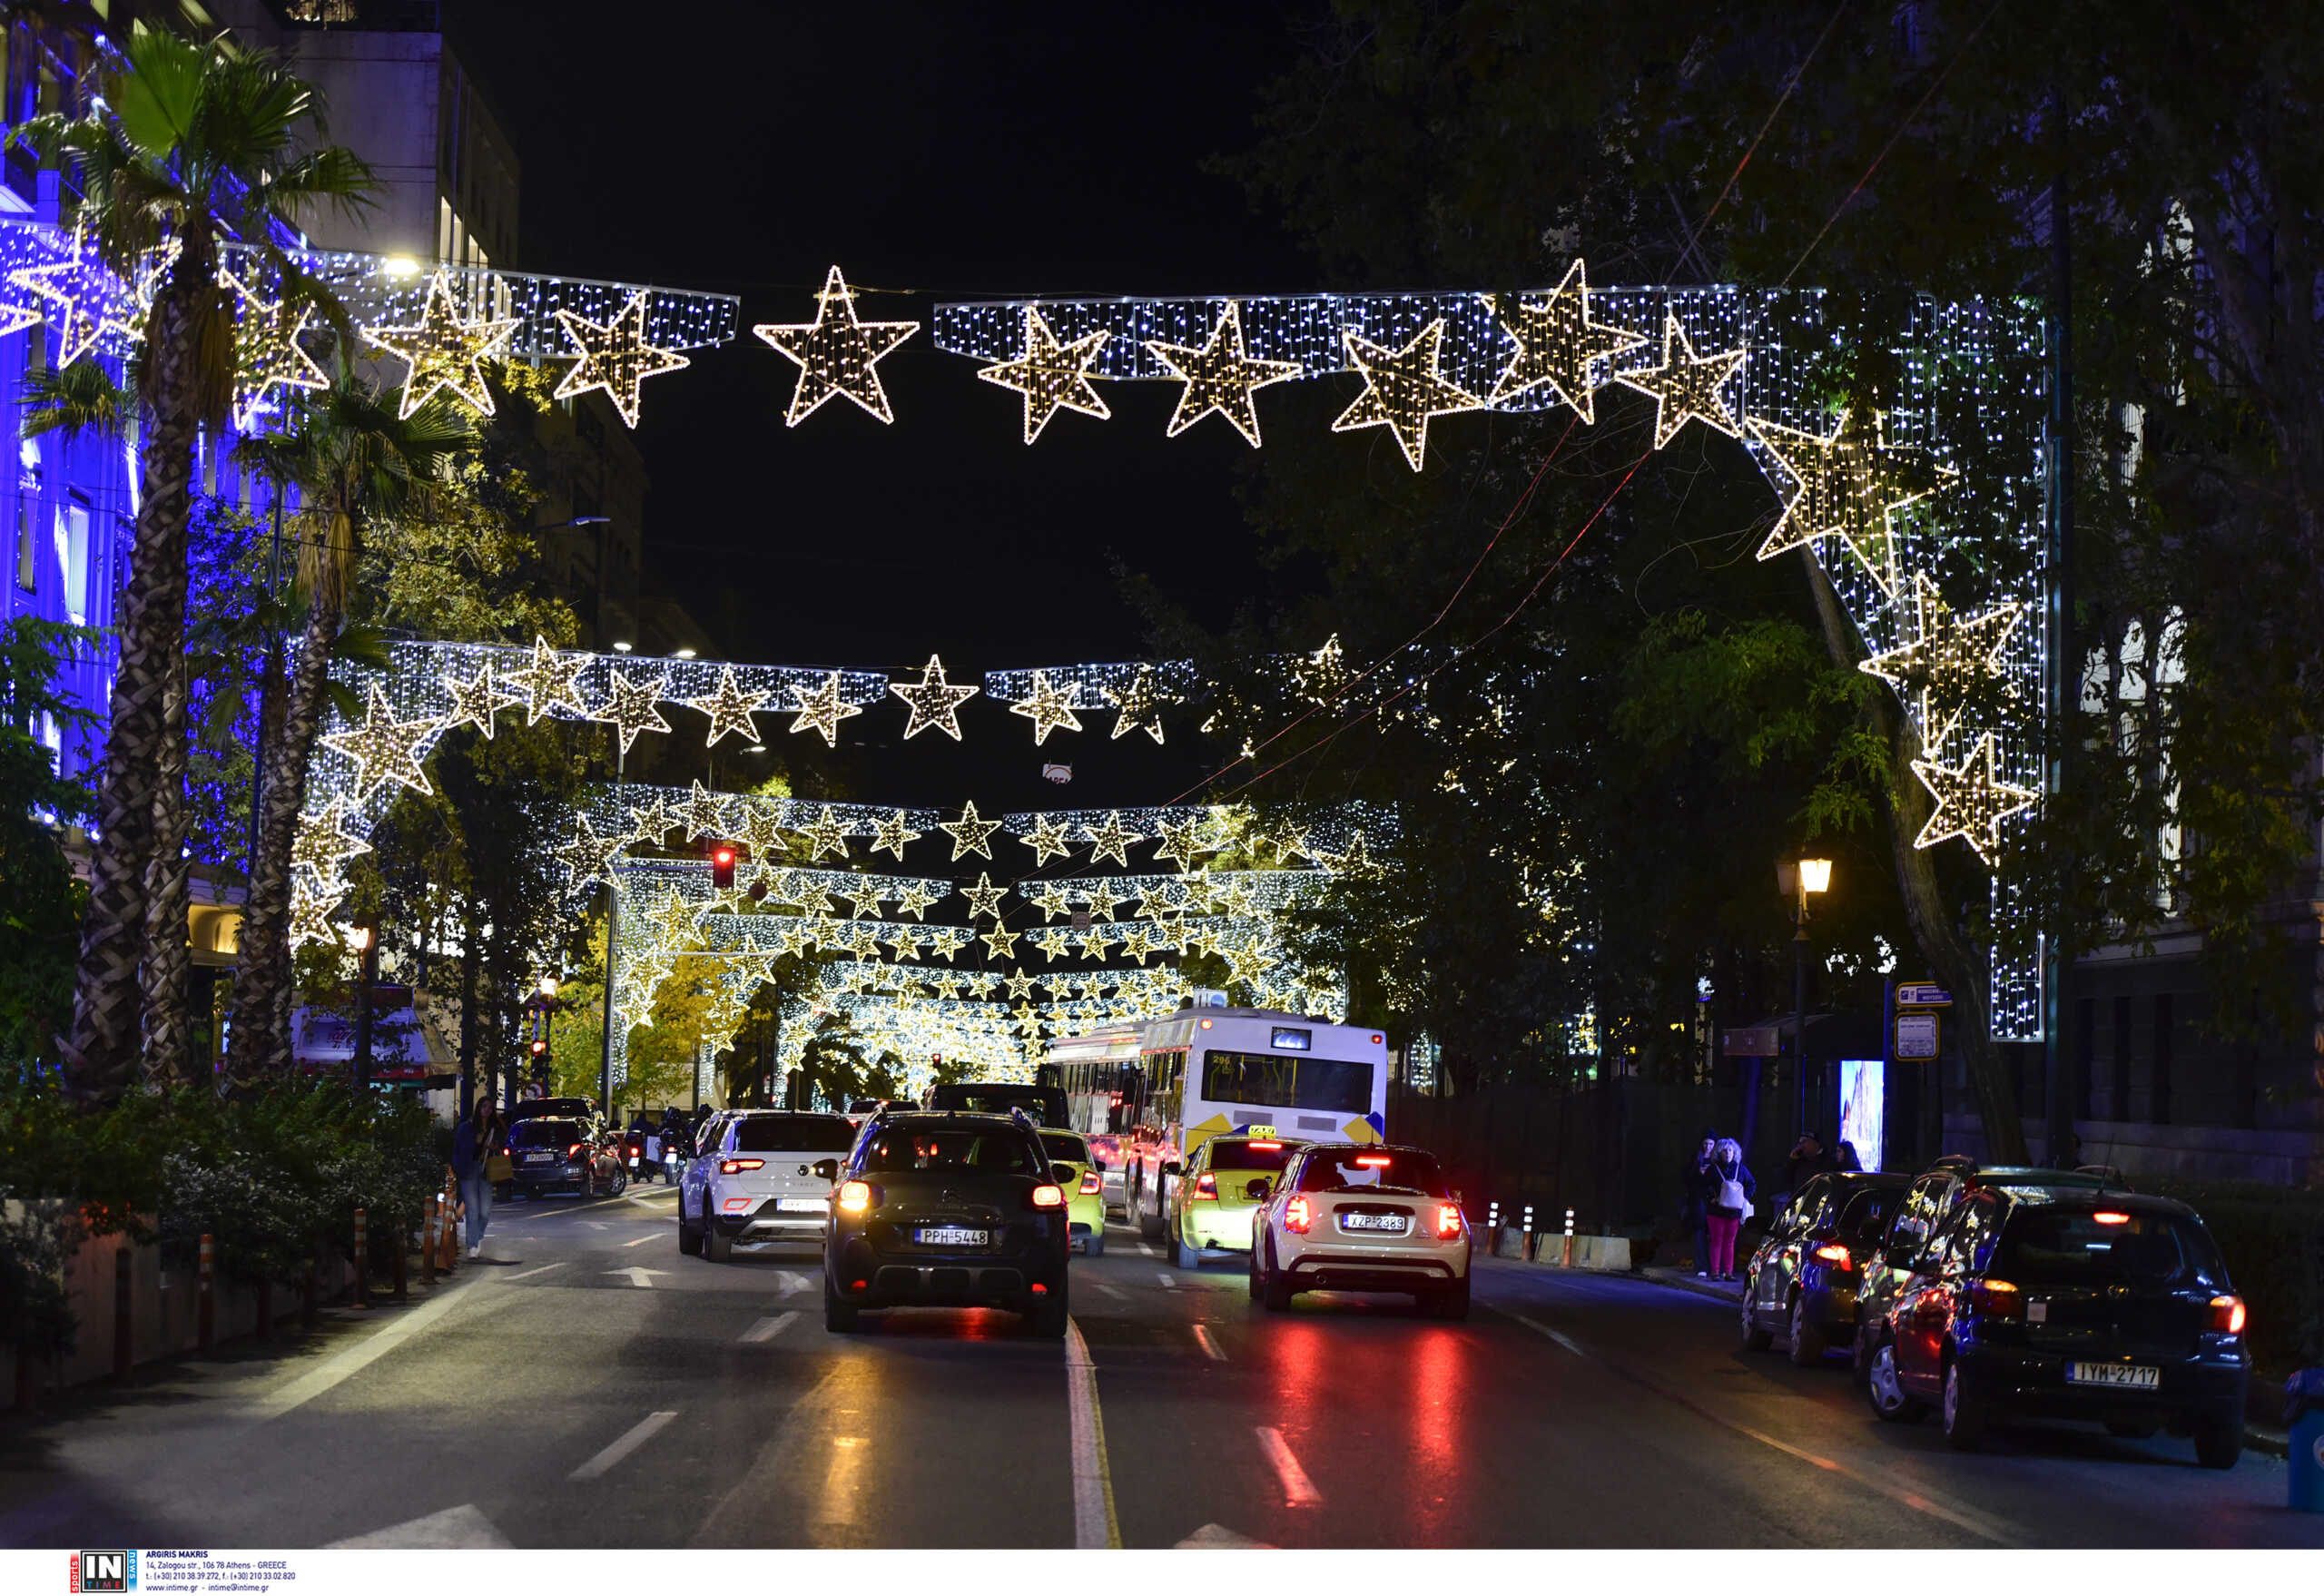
[[1203, 1072], [1098, 1073]]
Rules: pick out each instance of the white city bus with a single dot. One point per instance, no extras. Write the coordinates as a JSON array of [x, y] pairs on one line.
[[1204, 1072], [1098, 1072]]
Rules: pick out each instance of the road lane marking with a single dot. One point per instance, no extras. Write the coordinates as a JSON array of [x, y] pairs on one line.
[[1298, 1490], [1998, 1531], [768, 1329], [791, 1281], [340, 1366], [642, 1240], [635, 1437], [1094, 1523], [1164, 1277], [1219, 1538], [528, 1274], [1116, 1292], [638, 1276], [1209, 1347], [456, 1528]]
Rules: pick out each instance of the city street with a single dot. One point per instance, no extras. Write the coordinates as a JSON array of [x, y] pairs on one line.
[[589, 1386]]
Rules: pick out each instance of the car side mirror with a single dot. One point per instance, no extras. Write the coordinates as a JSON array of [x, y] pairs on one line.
[[1174, 1168], [827, 1168], [1257, 1190], [1064, 1174]]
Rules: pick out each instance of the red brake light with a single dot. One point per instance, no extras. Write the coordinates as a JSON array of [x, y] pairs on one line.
[[1297, 1216], [1048, 1197], [1206, 1186], [1373, 1160], [2109, 1218], [855, 1197], [736, 1165], [1448, 1221], [1090, 1185], [2228, 1314], [1997, 1299], [1039, 1289], [1834, 1253], [1264, 1147], [575, 1150]]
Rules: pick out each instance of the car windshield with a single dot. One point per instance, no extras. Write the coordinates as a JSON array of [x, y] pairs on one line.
[[1268, 1157], [543, 1133], [2055, 1246], [1065, 1147], [793, 1133], [902, 1148], [1372, 1169]]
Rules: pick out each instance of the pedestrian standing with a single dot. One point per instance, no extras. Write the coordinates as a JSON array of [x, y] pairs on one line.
[[1731, 1205], [1807, 1160], [474, 1146], [1849, 1161], [1697, 1191]]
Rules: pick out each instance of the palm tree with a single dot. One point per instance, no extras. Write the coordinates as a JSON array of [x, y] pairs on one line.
[[356, 464], [190, 144]]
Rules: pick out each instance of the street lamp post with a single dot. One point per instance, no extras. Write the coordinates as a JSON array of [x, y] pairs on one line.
[[1798, 879], [366, 941]]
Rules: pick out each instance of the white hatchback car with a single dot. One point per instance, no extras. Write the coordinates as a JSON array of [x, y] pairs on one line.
[[754, 1182], [1362, 1217]]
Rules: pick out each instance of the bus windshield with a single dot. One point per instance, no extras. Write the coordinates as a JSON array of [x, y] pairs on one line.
[[1271, 1081]]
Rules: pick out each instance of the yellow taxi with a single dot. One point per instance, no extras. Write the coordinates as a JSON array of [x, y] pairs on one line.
[[1085, 1198], [1227, 1178]]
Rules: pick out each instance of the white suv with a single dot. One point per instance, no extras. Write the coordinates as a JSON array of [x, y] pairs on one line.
[[755, 1181], [1362, 1217]]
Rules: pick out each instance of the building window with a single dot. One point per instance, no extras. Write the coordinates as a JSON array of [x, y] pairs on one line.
[[27, 508], [72, 558]]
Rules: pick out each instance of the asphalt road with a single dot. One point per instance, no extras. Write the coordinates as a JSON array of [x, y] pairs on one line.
[[590, 1387]]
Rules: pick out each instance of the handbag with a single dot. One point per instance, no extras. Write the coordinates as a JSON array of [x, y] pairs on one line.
[[498, 1168]]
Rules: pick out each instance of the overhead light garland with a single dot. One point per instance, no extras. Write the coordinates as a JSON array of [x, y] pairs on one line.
[[1140, 706], [1046, 839], [1560, 348], [268, 354], [629, 706], [476, 700], [1049, 708], [1687, 387], [826, 834], [971, 834], [1112, 839], [1948, 659], [1403, 389], [1850, 485], [730, 708], [892, 833], [444, 350], [90, 302], [1052, 376], [935, 702], [836, 353], [615, 357], [385, 749], [822, 710], [1971, 800], [984, 898], [1220, 378], [548, 681]]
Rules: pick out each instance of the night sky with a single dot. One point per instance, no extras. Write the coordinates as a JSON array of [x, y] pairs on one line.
[[956, 151]]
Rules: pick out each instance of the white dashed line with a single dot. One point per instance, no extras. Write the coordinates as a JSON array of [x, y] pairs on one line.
[[1164, 1277], [1116, 1292], [528, 1274], [642, 1240], [637, 1435], [1298, 1490], [768, 1329], [1209, 1347]]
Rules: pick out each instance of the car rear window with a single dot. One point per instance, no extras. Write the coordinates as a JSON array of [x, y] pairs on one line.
[[1868, 1208], [806, 1133], [1410, 1174], [1065, 1147], [902, 1149], [542, 1133], [2057, 1246], [1268, 1157]]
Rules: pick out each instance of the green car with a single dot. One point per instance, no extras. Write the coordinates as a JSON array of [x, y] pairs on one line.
[[1227, 1178], [1085, 1200]]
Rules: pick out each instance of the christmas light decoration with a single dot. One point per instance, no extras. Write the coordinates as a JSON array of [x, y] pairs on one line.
[[836, 353], [477, 701], [759, 827], [892, 833], [321, 847], [971, 834], [1685, 387], [444, 350], [1971, 800], [826, 834], [1002, 940], [822, 710], [1220, 378], [1112, 839], [984, 898], [267, 351], [587, 856], [729, 707], [1139, 705], [1049, 897], [935, 702], [915, 899], [615, 357], [703, 813], [1403, 389], [1139, 944], [1052, 376], [89, 298], [1046, 839], [1948, 659], [629, 706], [1850, 485], [549, 682], [1559, 347], [1049, 708], [311, 909], [384, 749], [864, 899], [1323, 675]]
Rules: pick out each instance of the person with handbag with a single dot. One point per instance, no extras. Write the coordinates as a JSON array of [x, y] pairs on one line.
[[480, 1162], [1731, 1185]]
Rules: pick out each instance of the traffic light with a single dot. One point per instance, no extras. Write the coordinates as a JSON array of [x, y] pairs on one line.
[[721, 865]]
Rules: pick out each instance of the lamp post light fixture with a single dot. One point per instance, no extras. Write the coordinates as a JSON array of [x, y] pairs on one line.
[[549, 986], [365, 940], [620, 646], [1799, 880]]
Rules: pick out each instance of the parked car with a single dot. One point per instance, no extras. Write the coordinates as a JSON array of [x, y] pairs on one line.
[[1802, 1282], [2097, 1306], [549, 1155]]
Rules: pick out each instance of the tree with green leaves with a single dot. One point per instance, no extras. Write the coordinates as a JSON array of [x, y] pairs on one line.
[[40, 902]]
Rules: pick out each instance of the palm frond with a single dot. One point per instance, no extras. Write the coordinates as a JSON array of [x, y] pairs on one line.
[[81, 398]]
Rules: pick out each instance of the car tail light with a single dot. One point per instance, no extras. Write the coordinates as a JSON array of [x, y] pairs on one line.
[[1039, 1289], [2228, 1314], [1090, 1185], [1448, 1221], [860, 1285], [1997, 1299], [1205, 1187], [855, 1197], [1297, 1216], [2109, 1218], [736, 1165], [1264, 1147], [1373, 1160], [1836, 1254], [735, 1205], [575, 1150], [1048, 1197]]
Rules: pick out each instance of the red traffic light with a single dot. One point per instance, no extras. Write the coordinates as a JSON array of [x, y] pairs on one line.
[[721, 865]]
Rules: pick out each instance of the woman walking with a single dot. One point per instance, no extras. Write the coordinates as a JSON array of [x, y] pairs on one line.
[[472, 1145], [1730, 1206]]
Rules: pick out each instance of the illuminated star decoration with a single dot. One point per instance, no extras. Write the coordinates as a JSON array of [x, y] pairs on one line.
[[629, 706], [88, 303], [586, 855], [1220, 377], [267, 351], [1183, 841], [1558, 345], [915, 899], [822, 710], [1686, 388], [703, 812], [1971, 801], [1053, 942], [1947, 660], [444, 350], [892, 833], [729, 708], [549, 681], [1140, 706], [384, 749], [835, 353], [322, 844], [615, 357], [1046, 839], [1052, 376], [1019, 985], [935, 702], [1402, 389], [760, 829], [969, 834], [827, 833], [310, 910], [984, 898], [1002, 940], [1849, 487], [476, 703], [1112, 839], [1138, 943], [1049, 708]]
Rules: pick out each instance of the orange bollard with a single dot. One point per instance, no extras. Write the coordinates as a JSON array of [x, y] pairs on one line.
[[205, 1316]]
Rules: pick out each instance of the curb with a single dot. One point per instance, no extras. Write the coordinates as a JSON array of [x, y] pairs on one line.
[[1686, 1284]]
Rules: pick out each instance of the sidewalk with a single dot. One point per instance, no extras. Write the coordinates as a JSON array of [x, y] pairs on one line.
[[1687, 1280]]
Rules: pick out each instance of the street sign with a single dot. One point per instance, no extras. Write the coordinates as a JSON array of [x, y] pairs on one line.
[[1922, 994], [1917, 1036], [1753, 1042]]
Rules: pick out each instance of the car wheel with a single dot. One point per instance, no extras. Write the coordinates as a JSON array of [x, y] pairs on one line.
[[1452, 1304], [1257, 1279], [839, 1317], [2219, 1441], [1275, 1289], [2133, 1429], [716, 1244], [689, 1237], [1964, 1410], [1884, 1389], [1808, 1344], [1045, 1317], [1150, 1225], [621, 1182], [1754, 1338], [1095, 1248], [1184, 1255]]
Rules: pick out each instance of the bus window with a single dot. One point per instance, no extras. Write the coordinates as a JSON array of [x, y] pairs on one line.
[[1269, 1080]]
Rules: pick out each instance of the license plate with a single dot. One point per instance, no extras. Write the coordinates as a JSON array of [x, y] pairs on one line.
[[540, 1157], [806, 1205], [1394, 1224], [2129, 1376], [951, 1236]]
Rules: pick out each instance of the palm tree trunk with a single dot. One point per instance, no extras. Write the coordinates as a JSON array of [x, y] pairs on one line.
[[100, 1053], [168, 1035]]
